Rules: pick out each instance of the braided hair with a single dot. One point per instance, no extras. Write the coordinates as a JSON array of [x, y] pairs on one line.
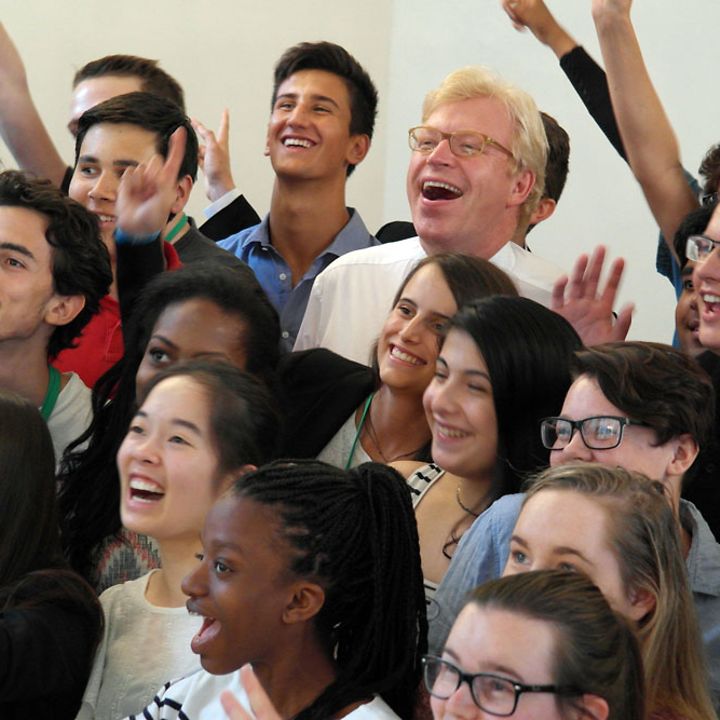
[[354, 533]]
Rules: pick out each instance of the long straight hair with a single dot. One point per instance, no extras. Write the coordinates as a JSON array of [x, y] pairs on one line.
[[643, 534]]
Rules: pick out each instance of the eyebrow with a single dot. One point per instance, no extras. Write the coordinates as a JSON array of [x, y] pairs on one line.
[[175, 421], [314, 98], [116, 163], [559, 550], [491, 667], [162, 338], [17, 248]]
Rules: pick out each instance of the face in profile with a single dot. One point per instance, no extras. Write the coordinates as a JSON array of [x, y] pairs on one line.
[[168, 463], [28, 300], [242, 587], [567, 530], [410, 339], [460, 410], [192, 329], [507, 645]]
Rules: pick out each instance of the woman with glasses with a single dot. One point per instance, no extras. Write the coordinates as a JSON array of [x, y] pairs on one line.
[[617, 528], [544, 645], [667, 400], [504, 363]]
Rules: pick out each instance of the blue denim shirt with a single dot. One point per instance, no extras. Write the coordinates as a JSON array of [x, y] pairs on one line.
[[254, 246], [484, 549]]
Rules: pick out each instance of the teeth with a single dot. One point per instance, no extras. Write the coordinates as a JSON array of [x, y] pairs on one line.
[[138, 484], [297, 142], [450, 432], [400, 355], [445, 186], [106, 218], [711, 299]]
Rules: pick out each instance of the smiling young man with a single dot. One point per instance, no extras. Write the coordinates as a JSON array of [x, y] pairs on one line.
[[477, 172], [125, 132], [54, 269], [323, 115]]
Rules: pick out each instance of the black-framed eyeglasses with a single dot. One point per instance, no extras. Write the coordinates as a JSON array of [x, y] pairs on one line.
[[698, 247], [463, 143], [599, 432], [493, 694], [709, 200]]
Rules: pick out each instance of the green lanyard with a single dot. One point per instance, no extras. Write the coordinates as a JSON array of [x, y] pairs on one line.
[[359, 430], [51, 396], [181, 225]]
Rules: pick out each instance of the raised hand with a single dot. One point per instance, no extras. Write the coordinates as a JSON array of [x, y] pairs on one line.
[[588, 308], [214, 157], [534, 14], [147, 192], [605, 8], [259, 701]]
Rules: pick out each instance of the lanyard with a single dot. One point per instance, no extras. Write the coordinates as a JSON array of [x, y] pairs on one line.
[[51, 396], [180, 226], [359, 430]]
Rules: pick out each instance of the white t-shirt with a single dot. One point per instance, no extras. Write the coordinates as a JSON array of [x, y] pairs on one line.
[[352, 297], [337, 451], [144, 646], [198, 698], [71, 415]]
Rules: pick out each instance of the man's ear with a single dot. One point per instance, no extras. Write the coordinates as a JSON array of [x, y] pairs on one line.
[[523, 184], [63, 309], [546, 207], [357, 149], [306, 601], [684, 454], [183, 190]]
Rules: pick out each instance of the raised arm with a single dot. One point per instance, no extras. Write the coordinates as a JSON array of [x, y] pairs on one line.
[[649, 139], [20, 125], [586, 76]]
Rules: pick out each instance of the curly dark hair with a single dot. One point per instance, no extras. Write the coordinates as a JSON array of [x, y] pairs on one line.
[[80, 260]]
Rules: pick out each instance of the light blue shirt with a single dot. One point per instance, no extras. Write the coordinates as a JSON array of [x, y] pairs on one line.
[[254, 246], [484, 549]]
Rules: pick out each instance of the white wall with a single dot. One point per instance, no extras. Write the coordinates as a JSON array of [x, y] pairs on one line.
[[602, 202], [223, 53]]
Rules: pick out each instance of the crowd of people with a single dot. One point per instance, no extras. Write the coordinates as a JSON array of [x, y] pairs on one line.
[[285, 468]]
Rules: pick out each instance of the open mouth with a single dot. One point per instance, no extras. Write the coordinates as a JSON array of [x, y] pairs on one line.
[[447, 432], [436, 190], [145, 491], [406, 357], [297, 142], [207, 632], [711, 302]]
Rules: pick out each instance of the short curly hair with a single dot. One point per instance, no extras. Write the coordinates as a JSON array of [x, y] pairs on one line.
[[80, 260]]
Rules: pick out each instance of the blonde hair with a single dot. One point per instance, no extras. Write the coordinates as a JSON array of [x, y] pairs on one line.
[[644, 535], [529, 143]]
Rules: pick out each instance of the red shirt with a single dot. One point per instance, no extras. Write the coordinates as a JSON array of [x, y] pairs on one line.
[[100, 345]]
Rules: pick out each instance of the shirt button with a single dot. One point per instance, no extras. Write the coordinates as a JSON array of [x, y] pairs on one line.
[[285, 334], [282, 276]]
